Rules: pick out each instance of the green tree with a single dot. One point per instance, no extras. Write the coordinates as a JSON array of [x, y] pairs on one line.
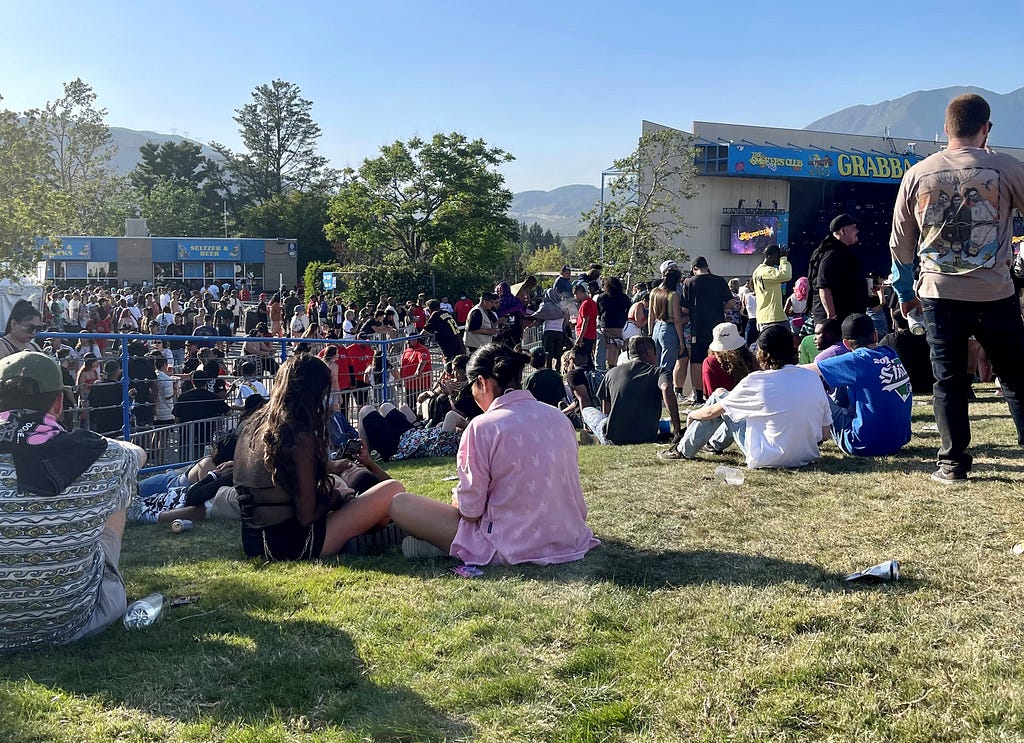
[[172, 208], [298, 214], [545, 259], [644, 214], [440, 201], [179, 190], [29, 206], [280, 139], [95, 197]]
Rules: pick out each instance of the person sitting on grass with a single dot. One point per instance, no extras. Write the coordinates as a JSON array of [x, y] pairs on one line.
[[575, 365], [519, 497], [544, 384], [631, 397], [777, 416], [872, 402], [63, 497], [291, 508]]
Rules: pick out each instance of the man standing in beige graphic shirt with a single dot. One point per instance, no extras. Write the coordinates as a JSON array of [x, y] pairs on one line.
[[965, 286]]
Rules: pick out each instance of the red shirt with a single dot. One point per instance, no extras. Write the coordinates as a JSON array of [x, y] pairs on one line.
[[588, 312], [419, 317], [713, 375], [360, 358], [340, 364], [462, 308], [411, 359]]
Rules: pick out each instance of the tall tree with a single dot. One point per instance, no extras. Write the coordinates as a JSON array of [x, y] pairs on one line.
[[180, 191], [280, 139], [179, 162], [439, 200], [29, 206], [79, 168], [644, 213]]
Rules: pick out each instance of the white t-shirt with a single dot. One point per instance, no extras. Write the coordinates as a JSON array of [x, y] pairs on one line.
[[750, 303], [555, 325], [348, 329], [785, 411]]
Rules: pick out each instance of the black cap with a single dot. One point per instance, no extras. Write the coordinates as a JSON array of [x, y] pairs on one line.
[[843, 220], [701, 262]]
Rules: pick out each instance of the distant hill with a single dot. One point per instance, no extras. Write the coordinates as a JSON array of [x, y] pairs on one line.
[[557, 210], [128, 142], [919, 115]]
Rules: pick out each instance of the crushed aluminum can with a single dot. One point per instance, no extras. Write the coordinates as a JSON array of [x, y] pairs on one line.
[[180, 525], [883, 571]]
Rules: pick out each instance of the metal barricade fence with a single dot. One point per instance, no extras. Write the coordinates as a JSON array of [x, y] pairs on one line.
[[183, 440]]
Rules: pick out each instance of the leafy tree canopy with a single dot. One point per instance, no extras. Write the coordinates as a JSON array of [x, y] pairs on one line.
[[280, 139], [440, 201], [643, 215]]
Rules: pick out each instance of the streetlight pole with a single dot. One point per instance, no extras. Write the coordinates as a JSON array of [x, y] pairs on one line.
[[600, 213]]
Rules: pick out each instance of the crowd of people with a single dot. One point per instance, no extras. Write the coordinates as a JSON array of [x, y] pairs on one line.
[[776, 367]]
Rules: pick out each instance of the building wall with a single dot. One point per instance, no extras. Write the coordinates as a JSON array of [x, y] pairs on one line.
[[704, 212], [134, 260], [276, 261]]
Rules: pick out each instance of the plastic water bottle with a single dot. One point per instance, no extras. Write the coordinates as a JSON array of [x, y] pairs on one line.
[[145, 612], [728, 475]]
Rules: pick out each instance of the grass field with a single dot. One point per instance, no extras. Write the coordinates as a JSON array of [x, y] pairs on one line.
[[710, 613]]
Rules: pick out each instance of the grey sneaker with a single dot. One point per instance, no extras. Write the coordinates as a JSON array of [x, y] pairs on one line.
[[671, 454], [418, 549], [949, 477]]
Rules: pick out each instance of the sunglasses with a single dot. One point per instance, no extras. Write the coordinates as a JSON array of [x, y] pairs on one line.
[[34, 328]]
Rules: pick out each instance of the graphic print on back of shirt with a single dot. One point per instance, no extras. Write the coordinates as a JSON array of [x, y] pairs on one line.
[[958, 211], [893, 376]]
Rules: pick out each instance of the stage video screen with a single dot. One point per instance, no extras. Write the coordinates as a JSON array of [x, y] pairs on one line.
[[752, 233]]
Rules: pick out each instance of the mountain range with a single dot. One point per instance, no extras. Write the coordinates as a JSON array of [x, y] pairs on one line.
[[917, 115], [920, 115]]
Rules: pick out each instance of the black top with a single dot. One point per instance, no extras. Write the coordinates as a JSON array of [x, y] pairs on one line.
[[705, 295], [613, 309], [142, 373], [633, 391], [546, 385], [446, 331], [106, 408], [837, 267], [197, 404], [178, 329]]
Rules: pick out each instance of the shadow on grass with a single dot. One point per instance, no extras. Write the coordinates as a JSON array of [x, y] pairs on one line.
[[628, 566], [625, 565], [228, 666]]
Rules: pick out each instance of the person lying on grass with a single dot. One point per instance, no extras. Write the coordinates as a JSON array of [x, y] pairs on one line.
[[519, 497], [291, 509]]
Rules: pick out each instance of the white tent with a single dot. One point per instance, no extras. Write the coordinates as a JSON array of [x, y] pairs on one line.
[[11, 291]]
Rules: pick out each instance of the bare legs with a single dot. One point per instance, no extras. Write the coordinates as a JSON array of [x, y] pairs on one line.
[[360, 515], [428, 519]]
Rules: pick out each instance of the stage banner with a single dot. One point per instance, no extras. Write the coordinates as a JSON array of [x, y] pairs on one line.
[[209, 250], [71, 248], [775, 162]]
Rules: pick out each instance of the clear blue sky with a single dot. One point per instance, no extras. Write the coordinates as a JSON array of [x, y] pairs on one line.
[[562, 85]]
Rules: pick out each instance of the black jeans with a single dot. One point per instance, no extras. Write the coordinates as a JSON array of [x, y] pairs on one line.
[[998, 327]]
